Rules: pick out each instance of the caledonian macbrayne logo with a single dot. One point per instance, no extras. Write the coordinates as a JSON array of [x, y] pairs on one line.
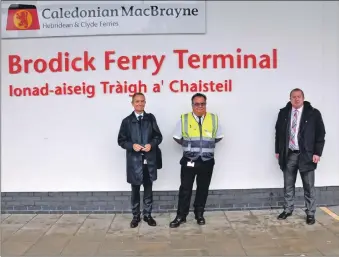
[[22, 17]]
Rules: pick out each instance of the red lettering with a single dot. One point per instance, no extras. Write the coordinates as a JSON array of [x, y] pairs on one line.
[[158, 63], [124, 60], [67, 89], [134, 62], [192, 59], [29, 91], [58, 62], [226, 60], [88, 63], [14, 64], [172, 84], [108, 60], [62, 63], [40, 62], [181, 57], [275, 58], [179, 86], [45, 90], [123, 88], [105, 85], [74, 64]]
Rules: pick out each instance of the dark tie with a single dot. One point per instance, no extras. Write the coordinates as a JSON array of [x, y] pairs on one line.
[[139, 121], [140, 129], [199, 120]]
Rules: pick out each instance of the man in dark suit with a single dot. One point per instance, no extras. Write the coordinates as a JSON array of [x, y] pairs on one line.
[[299, 143], [140, 135]]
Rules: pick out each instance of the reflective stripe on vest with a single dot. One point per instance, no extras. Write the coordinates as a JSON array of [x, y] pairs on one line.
[[199, 142]]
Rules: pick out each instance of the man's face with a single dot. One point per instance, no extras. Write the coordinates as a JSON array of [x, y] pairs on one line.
[[297, 99], [199, 106], [139, 103]]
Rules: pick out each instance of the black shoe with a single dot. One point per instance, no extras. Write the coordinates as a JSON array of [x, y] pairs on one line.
[[135, 221], [150, 221], [200, 220], [284, 215], [310, 219], [177, 221]]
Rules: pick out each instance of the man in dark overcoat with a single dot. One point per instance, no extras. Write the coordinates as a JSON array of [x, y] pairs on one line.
[[140, 135], [299, 143]]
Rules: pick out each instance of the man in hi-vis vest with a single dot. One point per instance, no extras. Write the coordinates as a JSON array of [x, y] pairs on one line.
[[197, 132]]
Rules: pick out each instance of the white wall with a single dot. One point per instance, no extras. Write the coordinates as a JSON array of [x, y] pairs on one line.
[[69, 143]]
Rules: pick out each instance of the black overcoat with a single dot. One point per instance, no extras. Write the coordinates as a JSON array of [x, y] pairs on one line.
[[311, 136], [130, 134]]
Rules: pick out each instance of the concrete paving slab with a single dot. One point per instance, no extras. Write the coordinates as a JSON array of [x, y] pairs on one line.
[[18, 219], [15, 248], [121, 226], [238, 233], [335, 209], [81, 248], [42, 221], [47, 247], [4, 216], [157, 234], [229, 247]]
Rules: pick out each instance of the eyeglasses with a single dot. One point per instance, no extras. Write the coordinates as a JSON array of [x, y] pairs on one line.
[[199, 104]]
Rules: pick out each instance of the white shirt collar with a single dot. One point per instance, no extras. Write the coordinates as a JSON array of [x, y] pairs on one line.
[[195, 116], [137, 114], [299, 109]]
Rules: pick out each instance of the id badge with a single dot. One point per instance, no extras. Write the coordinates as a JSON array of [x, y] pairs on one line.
[[190, 164]]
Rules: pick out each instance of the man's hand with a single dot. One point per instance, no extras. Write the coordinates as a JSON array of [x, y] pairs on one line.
[[277, 156], [137, 147], [316, 158], [147, 148]]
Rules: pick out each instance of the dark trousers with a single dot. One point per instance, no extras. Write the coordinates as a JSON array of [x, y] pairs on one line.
[[203, 171], [148, 195], [290, 176]]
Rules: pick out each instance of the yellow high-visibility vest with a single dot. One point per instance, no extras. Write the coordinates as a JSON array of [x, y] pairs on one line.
[[199, 140]]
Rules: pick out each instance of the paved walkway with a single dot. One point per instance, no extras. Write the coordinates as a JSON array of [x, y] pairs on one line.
[[238, 233]]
